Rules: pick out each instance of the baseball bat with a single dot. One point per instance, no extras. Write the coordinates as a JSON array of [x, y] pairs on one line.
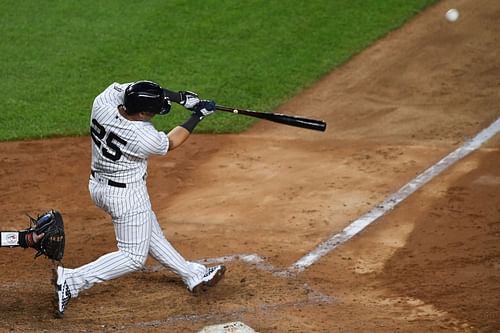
[[308, 123]]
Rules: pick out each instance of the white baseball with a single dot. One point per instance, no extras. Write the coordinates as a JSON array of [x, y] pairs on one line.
[[452, 15]]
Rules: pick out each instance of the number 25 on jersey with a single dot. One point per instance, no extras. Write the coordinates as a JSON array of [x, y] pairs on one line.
[[106, 141]]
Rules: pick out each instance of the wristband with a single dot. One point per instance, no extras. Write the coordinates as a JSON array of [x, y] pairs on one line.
[[9, 238], [191, 123], [24, 239]]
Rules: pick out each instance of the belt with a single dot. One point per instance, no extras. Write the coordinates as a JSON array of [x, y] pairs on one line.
[[110, 182]]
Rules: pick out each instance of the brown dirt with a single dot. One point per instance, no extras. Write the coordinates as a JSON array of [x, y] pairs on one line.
[[430, 265]]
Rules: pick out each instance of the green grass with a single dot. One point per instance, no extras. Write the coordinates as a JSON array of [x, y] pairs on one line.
[[56, 56]]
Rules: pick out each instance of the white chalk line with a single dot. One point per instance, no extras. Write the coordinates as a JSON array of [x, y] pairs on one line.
[[390, 202], [335, 240], [254, 259], [365, 220]]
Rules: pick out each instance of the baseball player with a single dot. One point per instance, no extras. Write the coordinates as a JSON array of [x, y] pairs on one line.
[[122, 140]]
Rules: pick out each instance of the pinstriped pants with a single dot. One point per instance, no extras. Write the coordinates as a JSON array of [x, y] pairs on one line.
[[138, 234]]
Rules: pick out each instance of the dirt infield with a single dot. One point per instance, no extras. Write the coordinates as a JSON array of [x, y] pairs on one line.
[[430, 265]]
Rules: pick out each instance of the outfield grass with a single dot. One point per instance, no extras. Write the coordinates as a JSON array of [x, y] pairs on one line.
[[56, 56]]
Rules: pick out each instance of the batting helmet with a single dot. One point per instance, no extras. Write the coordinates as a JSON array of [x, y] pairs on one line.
[[146, 96]]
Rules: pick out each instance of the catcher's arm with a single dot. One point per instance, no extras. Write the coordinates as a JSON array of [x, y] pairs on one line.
[[22, 238], [46, 235]]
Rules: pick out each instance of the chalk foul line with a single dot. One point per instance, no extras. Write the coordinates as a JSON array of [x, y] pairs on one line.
[[325, 247], [390, 202], [365, 220]]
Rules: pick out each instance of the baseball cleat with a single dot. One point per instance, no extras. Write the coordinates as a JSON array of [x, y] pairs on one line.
[[62, 294], [212, 276]]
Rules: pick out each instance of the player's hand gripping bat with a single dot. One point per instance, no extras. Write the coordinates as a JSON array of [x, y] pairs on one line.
[[313, 124]]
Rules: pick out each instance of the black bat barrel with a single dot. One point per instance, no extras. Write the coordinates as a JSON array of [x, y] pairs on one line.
[[296, 121]]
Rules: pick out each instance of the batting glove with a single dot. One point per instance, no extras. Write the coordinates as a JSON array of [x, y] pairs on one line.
[[189, 99]]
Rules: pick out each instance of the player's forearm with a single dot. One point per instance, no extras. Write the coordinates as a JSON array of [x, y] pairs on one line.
[[177, 136], [188, 99], [16, 238], [174, 96]]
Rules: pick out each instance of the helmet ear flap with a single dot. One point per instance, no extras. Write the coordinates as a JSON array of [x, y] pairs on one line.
[[166, 105]]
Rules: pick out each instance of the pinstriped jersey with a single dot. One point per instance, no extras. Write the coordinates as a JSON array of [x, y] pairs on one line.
[[121, 147]]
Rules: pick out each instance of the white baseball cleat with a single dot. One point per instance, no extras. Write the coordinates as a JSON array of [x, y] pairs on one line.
[[212, 276], [62, 293]]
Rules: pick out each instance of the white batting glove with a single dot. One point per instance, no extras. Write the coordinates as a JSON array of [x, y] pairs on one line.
[[189, 99]]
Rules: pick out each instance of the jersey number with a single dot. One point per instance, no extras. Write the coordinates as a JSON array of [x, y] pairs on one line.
[[110, 150]]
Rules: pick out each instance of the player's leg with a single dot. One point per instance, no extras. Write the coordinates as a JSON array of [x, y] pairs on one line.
[[130, 257], [161, 249], [132, 224]]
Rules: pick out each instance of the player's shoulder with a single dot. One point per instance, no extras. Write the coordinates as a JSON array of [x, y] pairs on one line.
[[146, 129], [113, 94], [119, 87], [116, 88], [152, 140], [146, 126]]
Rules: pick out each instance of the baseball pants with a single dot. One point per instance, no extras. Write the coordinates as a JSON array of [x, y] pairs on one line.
[[138, 235]]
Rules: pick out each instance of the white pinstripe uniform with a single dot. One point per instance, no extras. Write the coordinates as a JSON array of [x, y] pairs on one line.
[[120, 150]]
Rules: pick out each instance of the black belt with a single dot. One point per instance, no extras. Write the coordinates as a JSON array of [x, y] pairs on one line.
[[110, 182]]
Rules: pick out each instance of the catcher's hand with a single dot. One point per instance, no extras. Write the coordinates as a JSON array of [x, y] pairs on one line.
[[46, 235]]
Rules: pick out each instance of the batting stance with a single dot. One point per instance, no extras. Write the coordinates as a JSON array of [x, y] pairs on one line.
[[123, 138]]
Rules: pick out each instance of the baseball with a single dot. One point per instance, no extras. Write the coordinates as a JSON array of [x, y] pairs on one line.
[[452, 15]]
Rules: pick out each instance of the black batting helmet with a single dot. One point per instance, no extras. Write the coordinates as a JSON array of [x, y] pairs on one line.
[[146, 96]]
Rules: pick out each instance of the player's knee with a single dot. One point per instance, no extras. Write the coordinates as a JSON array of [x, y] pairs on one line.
[[137, 262]]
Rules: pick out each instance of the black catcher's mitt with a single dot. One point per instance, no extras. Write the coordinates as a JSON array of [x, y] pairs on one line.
[[52, 226]]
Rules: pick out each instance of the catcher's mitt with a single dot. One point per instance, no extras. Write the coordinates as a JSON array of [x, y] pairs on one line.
[[51, 225]]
